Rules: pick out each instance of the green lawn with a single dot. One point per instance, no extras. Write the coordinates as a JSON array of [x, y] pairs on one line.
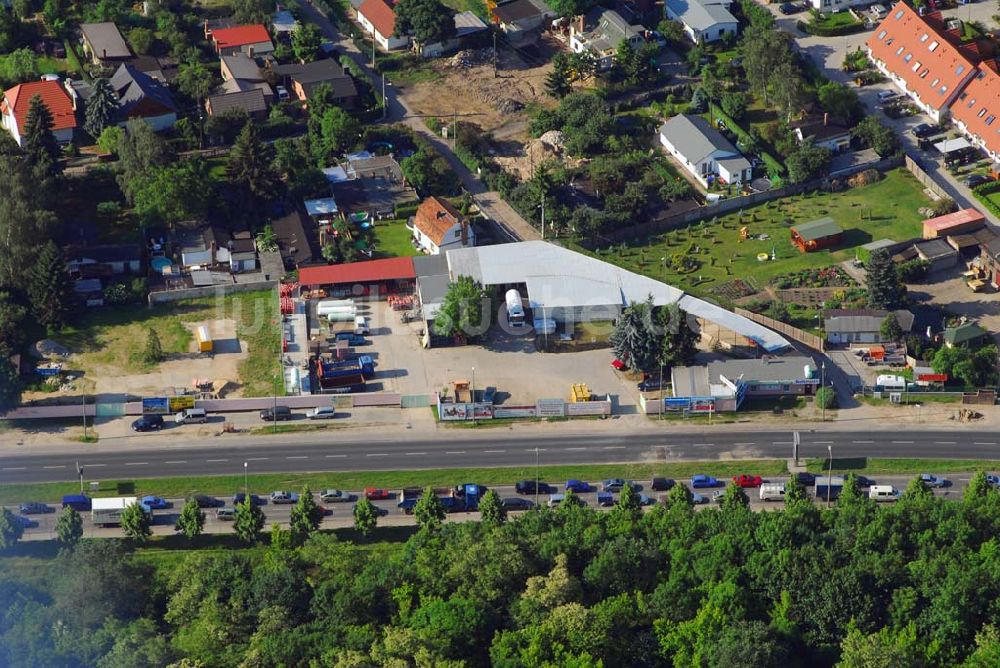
[[885, 466], [477, 7], [392, 239], [837, 20], [887, 209]]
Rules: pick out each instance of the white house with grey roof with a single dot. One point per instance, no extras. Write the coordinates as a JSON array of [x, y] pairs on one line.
[[599, 33], [704, 21], [703, 151]]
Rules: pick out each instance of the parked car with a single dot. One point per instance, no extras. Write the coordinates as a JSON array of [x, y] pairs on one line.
[[255, 500], [284, 497], [351, 338], [887, 95], [618, 365], [578, 486], [517, 503], [701, 480], [276, 414], [805, 478], [662, 484], [225, 514], [613, 485], [191, 416], [933, 480], [321, 413], [78, 502], [407, 505], [336, 496], [204, 501], [649, 385], [282, 93], [975, 180], [864, 481], [25, 522], [35, 508], [377, 493], [924, 130], [646, 500], [788, 8], [719, 495], [746, 481], [528, 487], [148, 423], [698, 499], [878, 11], [155, 502], [993, 480]]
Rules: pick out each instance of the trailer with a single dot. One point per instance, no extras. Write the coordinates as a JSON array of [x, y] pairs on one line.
[[204, 339], [108, 512], [828, 487]]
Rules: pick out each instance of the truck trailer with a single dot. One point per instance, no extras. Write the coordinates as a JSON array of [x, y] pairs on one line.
[[108, 512], [828, 487]]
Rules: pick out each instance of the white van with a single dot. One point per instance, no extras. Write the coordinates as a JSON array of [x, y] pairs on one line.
[[361, 325], [883, 493], [556, 499], [772, 491], [191, 415]]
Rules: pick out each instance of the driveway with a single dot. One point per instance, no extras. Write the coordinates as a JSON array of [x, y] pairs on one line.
[[490, 203]]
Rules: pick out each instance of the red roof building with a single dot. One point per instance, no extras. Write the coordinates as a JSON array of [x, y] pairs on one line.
[[360, 273], [17, 101], [378, 18], [438, 226], [959, 222], [250, 39], [918, 54], [976, 110]]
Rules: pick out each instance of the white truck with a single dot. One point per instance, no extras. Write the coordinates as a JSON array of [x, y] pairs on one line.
[[108, 512]]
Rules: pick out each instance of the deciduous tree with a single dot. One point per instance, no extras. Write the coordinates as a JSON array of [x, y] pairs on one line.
[[136, 522], [153, 352], [463, 309], [429, 21], [69, 527], [191, 521], [365, 516], [249, 521], [428, 511], [306, 516], [10, 529], [306, 42], [491, 510]]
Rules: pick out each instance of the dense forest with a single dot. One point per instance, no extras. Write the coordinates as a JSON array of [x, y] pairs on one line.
[[915, 583]]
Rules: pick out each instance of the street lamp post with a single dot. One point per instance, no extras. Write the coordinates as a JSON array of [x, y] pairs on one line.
[[829, 474], [246, 483], [536, 476], [822, 384], [473, 395]]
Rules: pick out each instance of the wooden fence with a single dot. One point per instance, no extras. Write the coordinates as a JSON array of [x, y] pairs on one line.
[[925, 179], [803, 337]]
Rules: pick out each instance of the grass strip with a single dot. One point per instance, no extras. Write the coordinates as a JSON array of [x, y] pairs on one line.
[[893, 466]]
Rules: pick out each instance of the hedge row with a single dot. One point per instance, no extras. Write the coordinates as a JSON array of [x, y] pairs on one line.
[[981, 193], [774, 166], [820, 30]]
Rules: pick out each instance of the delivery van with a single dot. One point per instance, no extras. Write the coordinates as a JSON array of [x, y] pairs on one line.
[[772, 491], [361, 325], [883, 493], [191, 415]]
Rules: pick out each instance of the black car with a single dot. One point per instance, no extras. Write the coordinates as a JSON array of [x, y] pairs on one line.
[[276, 414], [787, 8], [528, 487], [35, 508], [239, 497], [207, 501], [649, 385], [148, 423], [517, 503], [662, 484], [863, 481], [805, 478], [924, 130], [975, 180]]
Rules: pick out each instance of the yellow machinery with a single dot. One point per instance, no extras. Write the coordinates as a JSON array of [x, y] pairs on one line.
[[579, 392]]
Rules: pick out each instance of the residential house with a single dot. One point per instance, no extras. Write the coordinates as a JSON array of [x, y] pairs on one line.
[[823, 130], [251, 101], [374, 185], [522, 21], [976, 109], [599, 32], [252, 40], [301, 79], [142, 96], [834, 6], [241, 73], [467, 26], [162, 69], [990, 261], [17, 100], [438, 226], [817, 235], [283, 24], [103, 260], [966, 335], [704, 21], [79, 91], [212, 245], [862, 325], [104, 44], [703, 151], [378, 18], [297, 241], [919, 56]]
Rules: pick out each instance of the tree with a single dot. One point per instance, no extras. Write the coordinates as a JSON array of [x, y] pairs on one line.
[[141, 154], [943, 206], [141, 40], [840, 101], [179, 192], [871, 132], [40, 145], [765, 52], [428, 172], [251, 172], [191, 521], [365, 516], [110, 139], [634, 339], [808, 162], [69, 527], [136, 522], [306, 42], [338, 131], [20, 65], [49, 288], [680, 342], [885, 290], [10, 529], [153, 353], [557, 82], [102, 107], [10, 380], [491, 510], [194, 80], [826, 397], [890, 328], [679, 495], [463, 309], [306, 516], [428, 510], [429, 21], [735, 498], [249, 521], [628, 503], [734, 104], [252, 11]]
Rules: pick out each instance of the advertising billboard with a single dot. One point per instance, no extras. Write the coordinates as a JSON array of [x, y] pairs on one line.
[[550, 408], [155, 406]]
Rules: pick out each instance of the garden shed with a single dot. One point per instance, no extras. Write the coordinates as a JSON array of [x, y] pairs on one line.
[[817, 235]]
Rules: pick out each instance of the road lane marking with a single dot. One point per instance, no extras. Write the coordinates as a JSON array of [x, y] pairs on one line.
[[615, 447], [492, 452], [862, 441], [336, 456], [177, 461], [297, 457], [53, 467], [782, 442], [944, 442], [744, 443], [257, 459], [377, 454], [415, 454], [455, 452], [216, 460], [536, 449], [90, 466], [13, 468], [822, 442], [984, 443], [699, 445], [138, 463], [574, 448], [903, 442]]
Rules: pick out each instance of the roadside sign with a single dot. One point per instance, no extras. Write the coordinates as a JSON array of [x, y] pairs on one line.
[[177, 404], [550, 408], [155, 406]]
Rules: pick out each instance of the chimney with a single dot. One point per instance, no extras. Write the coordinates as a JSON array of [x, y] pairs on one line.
[[826, 119], [250, 51], [104, 54], [578, 23]]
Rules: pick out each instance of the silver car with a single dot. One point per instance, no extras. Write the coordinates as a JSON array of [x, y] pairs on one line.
[[336, 496]]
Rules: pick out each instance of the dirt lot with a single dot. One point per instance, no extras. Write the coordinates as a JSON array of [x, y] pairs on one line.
[[497, 104]]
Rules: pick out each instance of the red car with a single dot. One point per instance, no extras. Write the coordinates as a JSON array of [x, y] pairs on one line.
[[618, 364], [745, 480], [377, 493]]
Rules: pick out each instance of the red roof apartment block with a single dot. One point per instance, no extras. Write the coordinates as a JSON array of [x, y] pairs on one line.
[[916, 53], [976, 110], [227, 39], [17, 101], [371, 271], [379, 14]]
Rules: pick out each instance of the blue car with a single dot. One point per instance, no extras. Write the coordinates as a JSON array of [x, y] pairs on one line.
[[25, 522], [155, 503], [701, 480], [578, 486]]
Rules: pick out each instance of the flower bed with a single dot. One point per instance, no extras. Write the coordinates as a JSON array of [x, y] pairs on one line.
[[815, 277]]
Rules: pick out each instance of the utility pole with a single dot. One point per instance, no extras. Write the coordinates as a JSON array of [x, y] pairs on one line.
[[659, 413], [373, 48], [829, 474], [543, 216], [79, 472], [454, 128], [385, 103], [536, 476], [83, 400]]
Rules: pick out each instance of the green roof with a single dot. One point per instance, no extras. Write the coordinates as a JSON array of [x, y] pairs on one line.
[[970, 331], [817, 229]]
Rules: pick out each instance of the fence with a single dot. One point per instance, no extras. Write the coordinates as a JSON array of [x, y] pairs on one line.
[[803, 337], [924, 178], [980, 398], [220, 290]]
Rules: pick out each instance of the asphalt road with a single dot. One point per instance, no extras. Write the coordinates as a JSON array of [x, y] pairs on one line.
[[486, 448]]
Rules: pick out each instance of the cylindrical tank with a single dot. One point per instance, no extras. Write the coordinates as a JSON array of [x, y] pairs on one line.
[[327, 305]]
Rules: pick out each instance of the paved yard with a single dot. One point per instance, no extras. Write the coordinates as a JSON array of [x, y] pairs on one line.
[[948, 291]]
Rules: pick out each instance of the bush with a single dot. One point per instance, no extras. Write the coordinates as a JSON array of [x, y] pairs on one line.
[[865, 178], [774, 166], [826, 397]]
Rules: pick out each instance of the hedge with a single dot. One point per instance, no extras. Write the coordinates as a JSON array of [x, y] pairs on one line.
[[820, 30], [981, 193], [774, 166]]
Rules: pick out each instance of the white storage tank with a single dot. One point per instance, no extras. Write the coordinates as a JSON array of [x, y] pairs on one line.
[[515, 311]]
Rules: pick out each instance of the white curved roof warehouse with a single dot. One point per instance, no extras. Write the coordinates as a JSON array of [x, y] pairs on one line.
[[567, 285]]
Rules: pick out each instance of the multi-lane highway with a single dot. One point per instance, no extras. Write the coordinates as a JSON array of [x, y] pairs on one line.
[[468, 448]]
